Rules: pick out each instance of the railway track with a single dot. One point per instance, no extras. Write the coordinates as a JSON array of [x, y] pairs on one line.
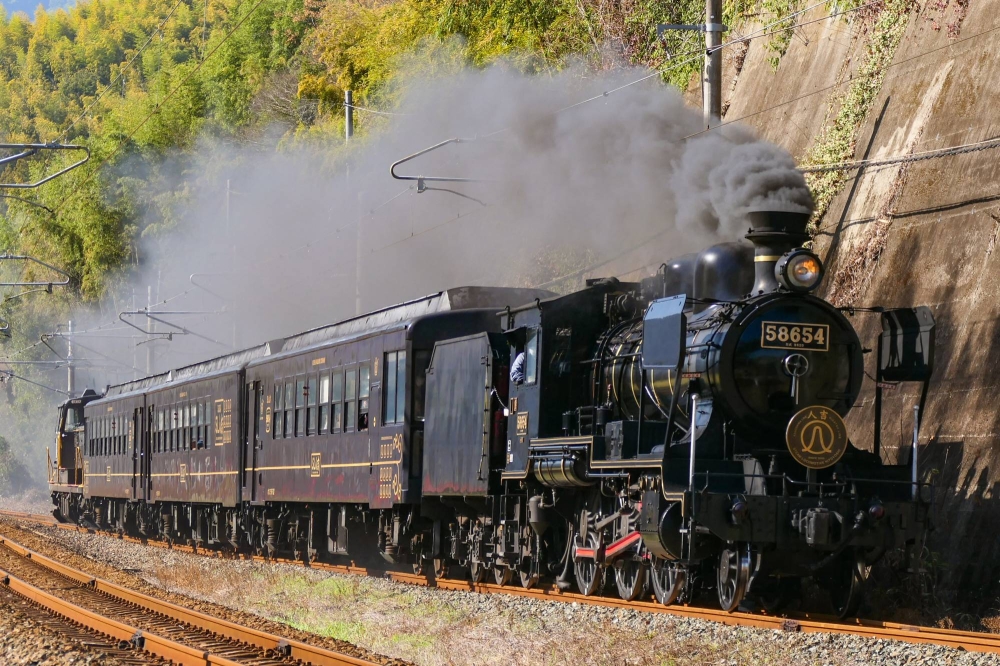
[[155, 630], [806, 623], [86, 639]]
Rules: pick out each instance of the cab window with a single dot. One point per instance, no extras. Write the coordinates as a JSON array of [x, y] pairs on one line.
[[531, 357]]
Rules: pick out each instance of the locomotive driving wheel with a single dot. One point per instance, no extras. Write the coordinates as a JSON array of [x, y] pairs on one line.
[[669, 581], [630, 578], [846, 584], [732, 576], [502, 574], [589, 574]]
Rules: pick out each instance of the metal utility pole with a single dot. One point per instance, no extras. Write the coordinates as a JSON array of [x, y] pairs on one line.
[[149, 332], [348, 135], [712, 75], [348, 115], [232, 262], [357, 260], [70, 369]]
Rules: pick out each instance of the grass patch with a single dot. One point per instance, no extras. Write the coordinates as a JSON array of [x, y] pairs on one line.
[[838, 140]]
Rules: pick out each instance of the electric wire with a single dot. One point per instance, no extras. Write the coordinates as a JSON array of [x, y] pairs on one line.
[[840, 83], [963, 149], [374, 111]]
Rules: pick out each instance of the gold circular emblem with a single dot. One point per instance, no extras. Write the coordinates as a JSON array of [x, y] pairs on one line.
[[816, 437]]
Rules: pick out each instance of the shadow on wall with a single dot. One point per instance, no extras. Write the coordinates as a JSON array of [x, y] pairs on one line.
[[961, 419]]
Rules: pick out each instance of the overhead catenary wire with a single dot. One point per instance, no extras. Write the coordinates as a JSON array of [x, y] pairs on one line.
[[840, 83], [374, 111]]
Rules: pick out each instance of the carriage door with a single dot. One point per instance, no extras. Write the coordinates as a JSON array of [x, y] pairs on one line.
[[252, 416], [139, 440]]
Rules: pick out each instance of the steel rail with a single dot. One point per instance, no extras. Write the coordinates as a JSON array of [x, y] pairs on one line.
[[181, 654], [974, 641], [147, 642]]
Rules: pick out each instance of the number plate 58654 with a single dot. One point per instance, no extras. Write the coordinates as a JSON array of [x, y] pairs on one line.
[[783, 335]]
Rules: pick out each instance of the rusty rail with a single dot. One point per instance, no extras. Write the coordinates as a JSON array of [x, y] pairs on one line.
[[804, 622], [157, 645], [148, 642]]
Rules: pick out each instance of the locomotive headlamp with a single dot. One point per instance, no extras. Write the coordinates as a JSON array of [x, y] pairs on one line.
[[799, 270]]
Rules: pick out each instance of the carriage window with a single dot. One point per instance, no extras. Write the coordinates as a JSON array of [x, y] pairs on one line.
[[172, 425], [394, 395], [350, 397], [74, 418], [324, 404], [311, 415], [276, 411], [289, 408], [364, 390], [300, 407], [389, 389], [531, 357], [337, 402]]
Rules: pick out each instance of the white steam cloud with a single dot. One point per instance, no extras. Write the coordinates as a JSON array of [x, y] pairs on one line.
[[621, 176]]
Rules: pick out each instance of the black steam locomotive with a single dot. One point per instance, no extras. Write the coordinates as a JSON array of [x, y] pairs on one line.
[[681, 433]]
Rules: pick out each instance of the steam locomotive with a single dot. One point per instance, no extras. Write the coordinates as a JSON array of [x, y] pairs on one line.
[[678, 434]]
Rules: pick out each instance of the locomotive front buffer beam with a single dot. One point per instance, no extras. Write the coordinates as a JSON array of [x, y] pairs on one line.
[[803, 534]]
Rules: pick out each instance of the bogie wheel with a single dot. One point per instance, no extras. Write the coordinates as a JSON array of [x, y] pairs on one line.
[[669, 581], [418, 566], [732, 576], [477, 571], [502, 574], [589, 574], [441, 567], [847, 585], [630, 579]]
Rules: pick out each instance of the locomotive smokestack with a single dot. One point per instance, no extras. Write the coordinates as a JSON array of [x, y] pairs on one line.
[[773, 233]]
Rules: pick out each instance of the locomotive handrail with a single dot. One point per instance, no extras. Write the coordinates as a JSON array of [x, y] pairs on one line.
[[795, 482]]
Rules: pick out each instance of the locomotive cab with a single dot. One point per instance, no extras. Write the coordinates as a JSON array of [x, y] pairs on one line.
[[65, 472], [67, 468]]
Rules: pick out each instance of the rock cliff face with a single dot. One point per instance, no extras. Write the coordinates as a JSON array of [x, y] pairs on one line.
[[921, 233]]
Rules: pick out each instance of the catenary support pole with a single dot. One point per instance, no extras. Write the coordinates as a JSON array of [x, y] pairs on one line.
[[712, 73], [70, 370]]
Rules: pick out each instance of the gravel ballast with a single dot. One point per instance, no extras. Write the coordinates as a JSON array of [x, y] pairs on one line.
[[438, 627]]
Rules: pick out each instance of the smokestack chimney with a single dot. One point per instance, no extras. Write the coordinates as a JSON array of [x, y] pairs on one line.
[[773, 233]]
